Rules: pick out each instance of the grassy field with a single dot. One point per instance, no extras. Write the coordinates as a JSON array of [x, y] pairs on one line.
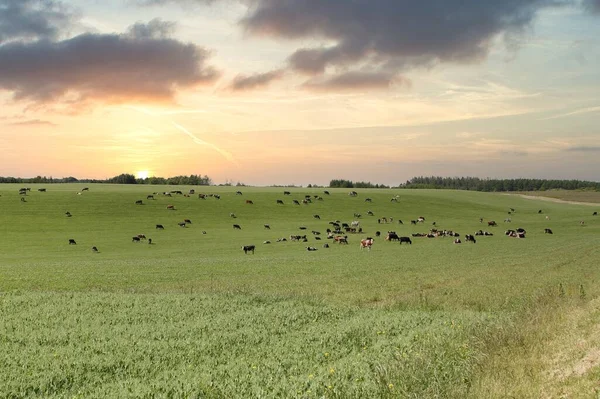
[[193, 316], [592, 197]]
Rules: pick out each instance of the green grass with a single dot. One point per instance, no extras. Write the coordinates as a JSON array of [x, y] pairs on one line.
[[192, 316]]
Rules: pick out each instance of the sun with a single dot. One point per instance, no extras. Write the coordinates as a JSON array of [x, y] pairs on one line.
[[142, 174]]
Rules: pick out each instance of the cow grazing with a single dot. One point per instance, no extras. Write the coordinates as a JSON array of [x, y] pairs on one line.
[[341, 240], [139, 202], [595, 214], [268, 227], [357, 215], [85, 189], [353, 193], [540, 211], [326, 192], [469, 237], [248, 248], [150, 197], [325, 245], [192, 192], [42, 190], [188, 221], [171, 207], [507, 220], [317, 238], [249, 202], [279, 202], [457, 241], [150, 241], [68, 214], [160, 227], [366, 243], [405, 239], [238, 193], [296, 202], [94, 249], [72, 241], [316, 233], [181, 224], [413, 222], [392, 236], [141, 236], [266, 242], [368, 200], [492, 223], [232, 215], [316, 216], [237, 227], [370, 213], [287, 193], [203, 231], [377, 233], [310, 249], [202, 196], [217, 196], [302, 227], [23, 199], [135, 239], [548, 231]]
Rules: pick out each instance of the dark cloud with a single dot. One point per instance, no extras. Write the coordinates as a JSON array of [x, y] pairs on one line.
[[394, 34], [33, 122], [139, 65], [33, 19], [259, 80], [355, 81], [155, 29], [593, 5], [584, 148]]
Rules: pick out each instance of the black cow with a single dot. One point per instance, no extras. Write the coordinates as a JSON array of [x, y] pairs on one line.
[[370, 213], [280, 202], [548, 231], [302, 227], [326, 192], [310, 249], [540, 211], [188, 221], [72, 241], [42, 190], [595, 214], [325, 245], [68, 214], [296, 202], [94, 249], [150, 241], [139, 202], [368, 200], [470, 237], [492, 223], [316, 216], [150, 197], [160, 227], [237, 227], [85, 189], [268, 227], [135, 239], [413, 222], [181, 224], [238, 193], [405, 239], [248, 248], [377, 233], [287, 193], [392, 236], [217, 196]]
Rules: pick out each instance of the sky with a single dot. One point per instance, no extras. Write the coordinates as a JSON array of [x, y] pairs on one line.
[[300, 92]]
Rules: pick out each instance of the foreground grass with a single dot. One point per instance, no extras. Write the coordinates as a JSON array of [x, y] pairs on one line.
[[192, 316], [568, 195]]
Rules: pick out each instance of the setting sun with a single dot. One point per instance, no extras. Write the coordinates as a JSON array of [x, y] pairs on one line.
[[142, 174]]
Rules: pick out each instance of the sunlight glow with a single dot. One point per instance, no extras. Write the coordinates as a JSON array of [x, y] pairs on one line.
[[142, 174]]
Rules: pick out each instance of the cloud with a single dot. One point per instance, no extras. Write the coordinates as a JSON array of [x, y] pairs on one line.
[[355, 81], [141, 65], [584, 148], [259, 80], [33, 122], [593, 5], [33, 19], [396, 34]]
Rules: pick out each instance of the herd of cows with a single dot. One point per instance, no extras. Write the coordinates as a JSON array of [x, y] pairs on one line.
[[338, 232]]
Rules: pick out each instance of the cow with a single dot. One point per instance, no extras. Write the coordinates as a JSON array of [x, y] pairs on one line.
[[202, 196], [457, 241], [232, 215], [141, 236], [377, 233], [370, 213], [217, 196], [68, 214], [507, 220], [238, 193], [237, 227], [94, 249], [296, 202], [150, 197], [42, 190], [139, 202], [279, 202], [249, 202], [171, 207], [353, 193], [310, 249], [400, 221], [521, 230], [287, 193], [135, 239], [469, 237], [150, 241], [405, 239], [392, 236], [492, 223], [23, 199], [420, 219], [394, 200], [306, 201], [267, 226], [85, 189], [160, 227], [248, 248], [282, 239], [181, 224], [302, 227], [366, 243], [540, 211], [266, 242], [72, 241], [325, 245], [188, 221], [413, 222], [341, 240], [368, 200], [192, 192], [548, 231], [326, 192], [357, 215], [595, 214], [317, 217], [316, 233]]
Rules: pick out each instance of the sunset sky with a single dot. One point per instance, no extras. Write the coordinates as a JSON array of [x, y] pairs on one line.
[[300, 91]]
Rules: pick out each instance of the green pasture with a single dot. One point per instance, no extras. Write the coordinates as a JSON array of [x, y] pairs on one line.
[[193, 316]]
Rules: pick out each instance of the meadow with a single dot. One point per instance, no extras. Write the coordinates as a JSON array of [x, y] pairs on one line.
[[191, 315]]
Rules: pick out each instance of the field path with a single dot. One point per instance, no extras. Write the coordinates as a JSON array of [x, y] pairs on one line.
[[549, 199]]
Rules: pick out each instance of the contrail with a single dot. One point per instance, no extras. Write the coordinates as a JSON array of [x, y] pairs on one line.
[[577, 112], [227, 155]]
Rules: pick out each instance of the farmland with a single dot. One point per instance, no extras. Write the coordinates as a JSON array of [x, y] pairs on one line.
[[191, 315]]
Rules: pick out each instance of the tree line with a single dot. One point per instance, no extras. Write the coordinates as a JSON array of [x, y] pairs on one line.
[[124, 178], [341, 183], [490, 185]]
